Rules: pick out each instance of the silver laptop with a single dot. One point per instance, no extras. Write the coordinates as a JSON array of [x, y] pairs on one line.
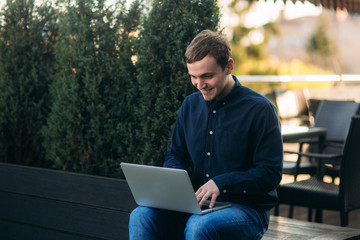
[[165, 188]]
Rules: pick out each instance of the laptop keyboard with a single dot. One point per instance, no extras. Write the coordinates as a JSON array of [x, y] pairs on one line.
[[205, 207]]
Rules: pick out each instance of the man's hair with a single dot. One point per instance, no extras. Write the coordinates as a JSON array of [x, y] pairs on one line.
[[209, 43]]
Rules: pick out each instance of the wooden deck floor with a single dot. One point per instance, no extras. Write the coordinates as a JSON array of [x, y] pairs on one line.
[[284, 228]]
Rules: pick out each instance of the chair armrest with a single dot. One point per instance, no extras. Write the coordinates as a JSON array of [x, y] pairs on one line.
[[309, 141], [316, 155], [334, 144], [330, 143]]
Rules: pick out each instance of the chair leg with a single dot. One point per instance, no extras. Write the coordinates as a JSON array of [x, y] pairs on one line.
[[344, 216], [310, 214], [276, 212], [295, 177], [318, 215], [291, 211]]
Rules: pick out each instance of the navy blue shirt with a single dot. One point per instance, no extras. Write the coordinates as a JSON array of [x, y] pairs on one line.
[[235, 141]]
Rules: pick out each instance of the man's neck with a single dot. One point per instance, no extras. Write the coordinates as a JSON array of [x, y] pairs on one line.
[[230, 83]]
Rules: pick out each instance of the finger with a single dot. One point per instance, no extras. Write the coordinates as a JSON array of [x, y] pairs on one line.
[[205, 197], [203, 200], [199, 195], [213, 200]]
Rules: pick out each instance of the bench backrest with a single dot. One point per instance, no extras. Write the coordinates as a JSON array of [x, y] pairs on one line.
[[46, 204]]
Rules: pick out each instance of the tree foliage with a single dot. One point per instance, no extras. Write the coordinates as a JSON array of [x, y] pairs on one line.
[[320, 42], [248, 54], [166, 32], [89, 128], [27, 38], [86, 85], [322, 49]]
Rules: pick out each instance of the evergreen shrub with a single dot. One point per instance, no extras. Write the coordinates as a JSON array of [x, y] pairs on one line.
[[85, 86], [89, 127], [27, 37], [164, 83]]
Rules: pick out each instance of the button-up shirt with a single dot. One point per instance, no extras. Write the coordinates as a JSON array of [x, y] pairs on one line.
[[235, 141]]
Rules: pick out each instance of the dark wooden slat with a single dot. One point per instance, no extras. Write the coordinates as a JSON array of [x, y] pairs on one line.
[[16, 231], [66, 186], [71, 218], [77, 205]]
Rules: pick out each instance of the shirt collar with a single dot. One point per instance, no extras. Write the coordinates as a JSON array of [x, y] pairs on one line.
[[230, 95]]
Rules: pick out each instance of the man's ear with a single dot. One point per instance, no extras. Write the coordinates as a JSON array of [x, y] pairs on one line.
[[230, 66]]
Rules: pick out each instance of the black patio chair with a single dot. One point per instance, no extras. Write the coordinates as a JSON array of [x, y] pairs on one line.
[[335, 116], [313, 105], [315, 193]]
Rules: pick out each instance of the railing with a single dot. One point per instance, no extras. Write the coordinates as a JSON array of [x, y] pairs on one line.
[[331, 87], [299, 78]]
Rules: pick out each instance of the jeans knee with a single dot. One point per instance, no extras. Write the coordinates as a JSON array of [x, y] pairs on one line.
[[150, 223], [140, 217], [200, 230], [141, 224], [135, 215]]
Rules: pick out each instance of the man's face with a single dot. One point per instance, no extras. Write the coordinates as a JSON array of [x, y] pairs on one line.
[[210, 79]]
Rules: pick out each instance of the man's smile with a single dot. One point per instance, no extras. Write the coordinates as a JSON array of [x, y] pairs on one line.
[[206, 91]]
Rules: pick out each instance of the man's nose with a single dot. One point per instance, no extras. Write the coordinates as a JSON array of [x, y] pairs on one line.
[[201, 83]]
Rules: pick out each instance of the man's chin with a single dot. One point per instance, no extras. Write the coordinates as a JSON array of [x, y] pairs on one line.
[[208, 98]]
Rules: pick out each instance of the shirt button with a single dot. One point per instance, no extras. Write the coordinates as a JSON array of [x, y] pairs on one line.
[[207, 175], [208, 153], [224, 191], [244, 192], [214, 111], [224, 103], [211, 132]]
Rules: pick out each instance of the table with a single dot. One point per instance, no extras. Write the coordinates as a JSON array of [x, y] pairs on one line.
[[292, 134], [295, 133]]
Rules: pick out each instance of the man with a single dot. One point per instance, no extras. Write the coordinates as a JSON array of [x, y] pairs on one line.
[[229, 136]]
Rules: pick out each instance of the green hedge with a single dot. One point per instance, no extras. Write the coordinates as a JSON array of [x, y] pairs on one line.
[[27, 67], [85, 86]]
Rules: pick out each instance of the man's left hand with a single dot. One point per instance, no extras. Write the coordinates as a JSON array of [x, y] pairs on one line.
[[206, 191]]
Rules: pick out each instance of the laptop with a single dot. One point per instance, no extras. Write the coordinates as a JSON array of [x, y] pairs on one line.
[[165, 188]]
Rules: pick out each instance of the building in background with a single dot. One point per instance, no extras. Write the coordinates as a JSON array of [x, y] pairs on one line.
[[297, 23], [341, 28]]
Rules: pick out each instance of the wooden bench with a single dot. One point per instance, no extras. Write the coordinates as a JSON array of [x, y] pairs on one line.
[[43, 204]]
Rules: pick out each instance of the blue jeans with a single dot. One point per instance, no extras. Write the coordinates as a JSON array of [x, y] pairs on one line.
[[236, 222]]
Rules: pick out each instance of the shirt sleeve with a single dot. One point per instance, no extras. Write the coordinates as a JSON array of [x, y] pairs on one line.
[[265, 172], [177, 155]]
